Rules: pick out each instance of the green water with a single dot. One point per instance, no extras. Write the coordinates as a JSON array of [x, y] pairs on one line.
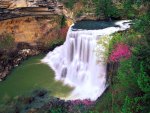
[[30, 75]]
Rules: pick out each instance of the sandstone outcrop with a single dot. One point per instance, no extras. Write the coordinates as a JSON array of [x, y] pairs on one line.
[[32, 35], [31, 29]]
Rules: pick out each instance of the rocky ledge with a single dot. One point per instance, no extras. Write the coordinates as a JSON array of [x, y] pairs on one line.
[[11, 59]]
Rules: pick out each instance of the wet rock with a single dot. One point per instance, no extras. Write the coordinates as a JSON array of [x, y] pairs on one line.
[[11, 59]]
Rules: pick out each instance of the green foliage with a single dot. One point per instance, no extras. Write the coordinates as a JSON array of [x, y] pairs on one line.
[[25, 103], [129, 91], [143, 80], [56, 110], [54, 43], [119, 9], [106, 7], [117, 38], [128, 10], [142, 24], [79, 13], [69, 3], [40, 101], [63, 21], [127, 76], [127, 105], [142, 49], [104, 104], [6, 41], [130, 86], [102, 48]]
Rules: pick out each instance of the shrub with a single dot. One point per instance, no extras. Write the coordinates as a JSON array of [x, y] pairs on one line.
[[6, 41], [52, 44], [82, 102], [107, 8], [102, 48], [63, 21], [120, 51], [69, 3], [79, 13]]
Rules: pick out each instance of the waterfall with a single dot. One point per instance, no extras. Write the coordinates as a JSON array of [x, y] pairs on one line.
[[75, 62]]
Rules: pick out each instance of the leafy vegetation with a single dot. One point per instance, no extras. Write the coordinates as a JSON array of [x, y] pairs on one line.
[[6, 41], [55, 43], [105, 7], [129, 79], [63, 21], [68, 3], [40, 101], [115, 9]]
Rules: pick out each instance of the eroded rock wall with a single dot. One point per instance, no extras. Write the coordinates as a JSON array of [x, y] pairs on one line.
[[31, 29], [32, 35]]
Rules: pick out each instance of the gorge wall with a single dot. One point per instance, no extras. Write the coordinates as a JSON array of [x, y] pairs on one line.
[[28, 36], [31, 29]]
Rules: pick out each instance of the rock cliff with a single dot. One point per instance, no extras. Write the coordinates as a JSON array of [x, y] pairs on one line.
[[31, 29], [28, 36]]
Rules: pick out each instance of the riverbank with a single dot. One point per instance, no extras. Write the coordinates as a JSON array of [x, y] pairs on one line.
[[30, 75], [24, 37], [10, 59], [13, 58]]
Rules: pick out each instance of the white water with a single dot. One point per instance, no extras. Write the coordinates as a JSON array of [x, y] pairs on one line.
[[75, 62]]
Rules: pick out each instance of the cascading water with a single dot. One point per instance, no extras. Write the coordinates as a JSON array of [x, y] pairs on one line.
[[75, 62]]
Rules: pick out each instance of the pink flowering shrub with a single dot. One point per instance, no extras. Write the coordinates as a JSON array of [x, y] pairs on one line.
[[86, 102], [120, 51]]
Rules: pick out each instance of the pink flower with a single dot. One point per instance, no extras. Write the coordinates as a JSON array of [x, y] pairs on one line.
[[120, 51], [87, 102], [84, 102]]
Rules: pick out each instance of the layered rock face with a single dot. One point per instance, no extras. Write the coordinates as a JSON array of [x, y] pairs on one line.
[[30, 29], [13, 3], [24, 3], [32, 35], [35, 23]]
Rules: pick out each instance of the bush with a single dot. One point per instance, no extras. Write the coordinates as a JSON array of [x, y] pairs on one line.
[[63, 21], [120, 51], [129, 88], [52, 44], [69, 3], [129, 9], [79, 14], [40, 101], [107, 8], [6, 41], [102, 48]]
